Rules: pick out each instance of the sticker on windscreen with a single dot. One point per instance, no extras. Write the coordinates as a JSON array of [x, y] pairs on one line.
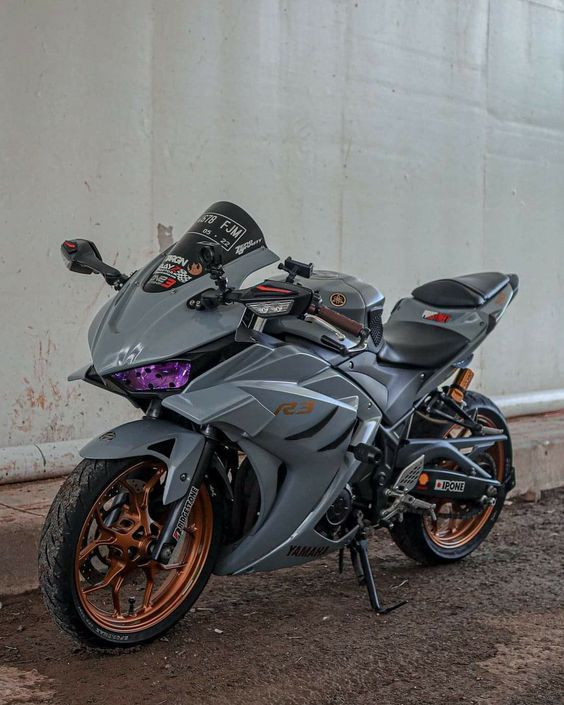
[[225, 231], [175, 270], [224, 224]]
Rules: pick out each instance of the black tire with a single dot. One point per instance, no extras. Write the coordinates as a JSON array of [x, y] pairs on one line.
[[411, 535], [57, 555]]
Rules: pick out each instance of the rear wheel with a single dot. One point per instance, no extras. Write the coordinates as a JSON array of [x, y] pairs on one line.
[[96, 573], [459, 528]]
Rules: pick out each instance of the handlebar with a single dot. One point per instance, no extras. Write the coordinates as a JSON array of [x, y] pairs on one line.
[[337, 319], [214, 298]]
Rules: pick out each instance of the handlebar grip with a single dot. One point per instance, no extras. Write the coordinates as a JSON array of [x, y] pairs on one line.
[[338, 320]]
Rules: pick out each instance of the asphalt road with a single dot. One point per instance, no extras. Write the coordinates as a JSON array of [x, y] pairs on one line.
[[487, 630]]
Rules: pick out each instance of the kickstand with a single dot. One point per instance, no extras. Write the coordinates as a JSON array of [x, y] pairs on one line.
[[363, 571]]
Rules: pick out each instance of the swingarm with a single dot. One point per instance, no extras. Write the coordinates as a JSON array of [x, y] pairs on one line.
[[458, 450]]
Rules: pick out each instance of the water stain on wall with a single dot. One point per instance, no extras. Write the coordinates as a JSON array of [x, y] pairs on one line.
[[42, 405], [164, 236]]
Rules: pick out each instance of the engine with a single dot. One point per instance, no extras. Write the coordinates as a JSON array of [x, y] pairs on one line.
[[333, 523]]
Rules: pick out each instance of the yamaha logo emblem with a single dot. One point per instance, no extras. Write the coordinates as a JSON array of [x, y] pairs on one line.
[[338, 299]]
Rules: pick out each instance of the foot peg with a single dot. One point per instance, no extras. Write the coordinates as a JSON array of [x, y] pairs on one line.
[[363, 571]]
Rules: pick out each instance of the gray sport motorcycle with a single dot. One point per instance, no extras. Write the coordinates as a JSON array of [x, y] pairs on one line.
[[281, 422]]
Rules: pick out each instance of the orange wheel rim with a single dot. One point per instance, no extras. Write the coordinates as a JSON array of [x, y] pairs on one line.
[[118, 584], [454, 532]]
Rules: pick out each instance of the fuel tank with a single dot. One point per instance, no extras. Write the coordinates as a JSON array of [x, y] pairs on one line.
[[345, 294]]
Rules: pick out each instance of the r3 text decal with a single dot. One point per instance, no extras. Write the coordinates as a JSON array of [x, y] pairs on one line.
[[290, 408]]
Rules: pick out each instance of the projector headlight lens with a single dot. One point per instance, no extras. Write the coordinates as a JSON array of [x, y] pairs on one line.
[[163, 376]]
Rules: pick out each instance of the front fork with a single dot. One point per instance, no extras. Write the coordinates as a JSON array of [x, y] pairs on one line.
[[180, 511]]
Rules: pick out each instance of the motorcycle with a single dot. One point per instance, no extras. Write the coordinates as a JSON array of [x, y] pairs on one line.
[[281, 422]]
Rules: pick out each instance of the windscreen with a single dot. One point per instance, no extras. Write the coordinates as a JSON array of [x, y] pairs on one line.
[[222, 223]]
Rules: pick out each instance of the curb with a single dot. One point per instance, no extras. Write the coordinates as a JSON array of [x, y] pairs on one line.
[[38, 462], [538, 450]]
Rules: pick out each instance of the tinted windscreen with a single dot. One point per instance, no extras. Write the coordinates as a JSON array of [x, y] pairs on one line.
[[224, 224]]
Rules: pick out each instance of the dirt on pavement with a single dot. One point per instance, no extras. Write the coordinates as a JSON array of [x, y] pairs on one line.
[[487, 630]]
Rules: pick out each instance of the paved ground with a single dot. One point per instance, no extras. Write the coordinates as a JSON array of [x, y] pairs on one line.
[[23, 508], [488, 630]]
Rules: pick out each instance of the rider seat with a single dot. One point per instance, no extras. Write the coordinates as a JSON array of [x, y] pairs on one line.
[[413, 344]]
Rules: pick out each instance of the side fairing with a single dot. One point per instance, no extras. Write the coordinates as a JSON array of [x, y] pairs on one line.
[[294, 418]]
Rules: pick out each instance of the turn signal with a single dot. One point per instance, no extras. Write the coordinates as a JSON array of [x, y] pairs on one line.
[[461, 383]]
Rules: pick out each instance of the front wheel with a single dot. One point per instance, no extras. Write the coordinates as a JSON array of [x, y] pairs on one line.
[[459, 529], [96, 573]]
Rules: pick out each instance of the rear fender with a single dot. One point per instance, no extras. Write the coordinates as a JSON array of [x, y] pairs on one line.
[[149, 437]]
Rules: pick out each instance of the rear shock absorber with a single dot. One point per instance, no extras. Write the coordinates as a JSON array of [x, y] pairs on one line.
[[460, 384]]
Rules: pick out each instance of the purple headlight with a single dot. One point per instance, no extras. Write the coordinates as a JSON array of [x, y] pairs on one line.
[[162, 376]]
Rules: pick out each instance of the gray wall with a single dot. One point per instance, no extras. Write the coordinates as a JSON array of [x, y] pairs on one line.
[[400, 140]]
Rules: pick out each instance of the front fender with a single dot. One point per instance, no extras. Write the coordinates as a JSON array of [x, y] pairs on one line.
[[152, 437]]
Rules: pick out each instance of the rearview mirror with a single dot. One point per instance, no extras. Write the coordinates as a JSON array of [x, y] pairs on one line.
[[83, 257]]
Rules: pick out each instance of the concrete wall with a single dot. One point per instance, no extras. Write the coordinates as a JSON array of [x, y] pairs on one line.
[[400, 140]]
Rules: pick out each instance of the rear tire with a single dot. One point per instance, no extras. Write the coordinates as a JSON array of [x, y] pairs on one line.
[[415, 537], [62, 545]]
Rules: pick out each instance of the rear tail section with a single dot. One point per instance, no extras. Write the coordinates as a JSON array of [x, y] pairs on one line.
[[446, 320]]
